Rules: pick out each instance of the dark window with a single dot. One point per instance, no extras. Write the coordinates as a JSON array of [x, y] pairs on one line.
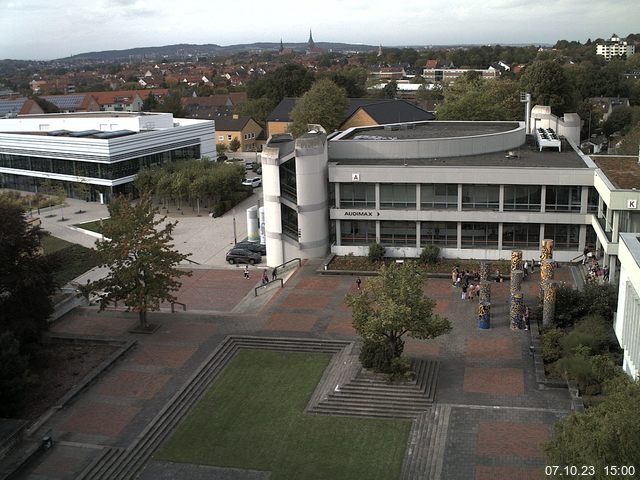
[[398, 233], [357, 195], [592, 202], [398, 196], [565, 237], [563, 199], [357, 232], [522, 197], [288, 187], [480, 197], [479, 235], [521, 235], [439, 196], [289, 221], [444, 234]]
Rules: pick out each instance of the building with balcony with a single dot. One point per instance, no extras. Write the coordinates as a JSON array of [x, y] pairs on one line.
[[102, 149], [615, 47]]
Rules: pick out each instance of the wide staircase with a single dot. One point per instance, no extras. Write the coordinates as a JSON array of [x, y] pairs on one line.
[[116, 463], [371, 394]]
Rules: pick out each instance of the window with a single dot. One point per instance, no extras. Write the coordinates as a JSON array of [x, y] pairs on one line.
[[357, 232], [565, 237], [398, 234], [357, 195], [444, 234], [398, 196], [288, 184], [521, 235], [229, 137], [221, 138], [480, 197], [479, 235], [439, 196], [592, 200], [563, 199], [522, 197], [289, 221]]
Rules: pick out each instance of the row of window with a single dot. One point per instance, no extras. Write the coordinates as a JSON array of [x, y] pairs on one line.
[[108, 171], [474, 197], [445, 234], [247, 136]]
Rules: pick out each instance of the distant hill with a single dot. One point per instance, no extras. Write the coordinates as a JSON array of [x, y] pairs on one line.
[[185, 50]]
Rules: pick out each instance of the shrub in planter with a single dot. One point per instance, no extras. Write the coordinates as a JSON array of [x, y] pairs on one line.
[[378, 356], [550, 344], [430, 254], [592, 332], [376, 252]]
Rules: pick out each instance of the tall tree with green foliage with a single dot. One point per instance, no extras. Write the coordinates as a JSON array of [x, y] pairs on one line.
[[290, 80], [604, 435], [13, 375], [26, 276], [325, 104], [549, 84], [392, 305], [141, 257]]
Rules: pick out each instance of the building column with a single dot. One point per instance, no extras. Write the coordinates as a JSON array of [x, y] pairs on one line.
[[377, 231], [338, 232], [500, 204], [612, 268], [378, 201], [499, 238], [459, 202], [459, 239], [584, 200], [543, 201], [582, 237], [337, 194], [418, 196], [418, 228], [615, 226], [608, 220]]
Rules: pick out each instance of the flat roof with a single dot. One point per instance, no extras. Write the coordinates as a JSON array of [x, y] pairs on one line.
[[526, 156], [622, 171], [428, 130]]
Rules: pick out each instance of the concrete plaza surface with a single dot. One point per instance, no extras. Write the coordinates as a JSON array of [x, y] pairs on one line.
[[499, 417]]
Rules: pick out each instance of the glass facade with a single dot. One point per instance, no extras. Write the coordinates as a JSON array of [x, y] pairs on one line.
[[565, 237], [289, 221], [479, 235], [522, 198], [361, 195], [288, 183], [592, 200], [521, 235], [357, 232], [439, 196], [398, 196], [563, 199], [480, 197], [398, 234], [444, 234]]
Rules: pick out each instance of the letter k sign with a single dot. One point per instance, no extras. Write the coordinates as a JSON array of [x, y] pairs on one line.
[[632, 204]]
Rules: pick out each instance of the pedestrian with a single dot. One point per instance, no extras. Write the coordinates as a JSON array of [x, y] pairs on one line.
[[246, 271], [265, 278], [526, 268], [358, 282], [471, 291], [274, 274], [605, 273], [464, 291], [585, 253], [533, 266], [454, 276], [478, 291]]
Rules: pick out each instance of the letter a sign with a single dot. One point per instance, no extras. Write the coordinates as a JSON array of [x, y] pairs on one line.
[[355, 177]]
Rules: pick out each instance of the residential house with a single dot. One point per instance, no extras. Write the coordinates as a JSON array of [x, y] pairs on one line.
[[245, 129], [12, 107]]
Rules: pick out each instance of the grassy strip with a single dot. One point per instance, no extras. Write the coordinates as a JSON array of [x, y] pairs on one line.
[[72, 260], [253, 418]]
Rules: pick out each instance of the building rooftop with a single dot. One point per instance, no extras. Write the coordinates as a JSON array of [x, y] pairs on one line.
[[622, 172], [428, 130]]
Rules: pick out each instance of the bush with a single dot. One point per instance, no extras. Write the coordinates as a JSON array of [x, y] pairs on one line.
[[13, 375], [550, 344], [430, 254], [592, 332], [379, 357], [376, 252], [589, 373], [400, 369]]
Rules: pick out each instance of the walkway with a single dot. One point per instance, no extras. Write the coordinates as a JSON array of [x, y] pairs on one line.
[[497, 416]]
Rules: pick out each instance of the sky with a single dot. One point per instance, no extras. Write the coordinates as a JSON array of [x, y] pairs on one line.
[[46, 29]]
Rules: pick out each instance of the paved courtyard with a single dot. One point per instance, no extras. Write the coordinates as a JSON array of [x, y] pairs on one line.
[[499, 417]]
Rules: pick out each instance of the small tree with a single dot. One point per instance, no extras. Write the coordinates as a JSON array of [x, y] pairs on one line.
[[234, 145], [324, 104], [376, 252], [141, 258], [392, 305], [220, 148], [430, 254]]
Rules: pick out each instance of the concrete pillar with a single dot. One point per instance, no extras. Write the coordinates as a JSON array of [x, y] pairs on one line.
[[543, 201], [459, 198], [516, 281], [459, 239], [485, 291], [418, 233], [516, 260], [546, 270], [546, 251], [500, 232], [272, 213], [377, 188], [609, 220], [584, 201], [484, 315], [549, 302], [501, 199], [338, 232], [615, 226], [337, 193]]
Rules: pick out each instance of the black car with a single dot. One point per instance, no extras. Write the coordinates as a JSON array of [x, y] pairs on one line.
[[253, 247], [242, 255]]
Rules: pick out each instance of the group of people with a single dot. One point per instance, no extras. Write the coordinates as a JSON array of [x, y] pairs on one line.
[[595, 272], [265, 277], [469, 283]]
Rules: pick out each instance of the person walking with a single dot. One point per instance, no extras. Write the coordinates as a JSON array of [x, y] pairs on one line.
[[246, 272], [605, 273], [274, 274], [358, 282], [265, 278], [525, 269]]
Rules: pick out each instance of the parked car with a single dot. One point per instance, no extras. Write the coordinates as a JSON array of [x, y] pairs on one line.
[[241, 255], [252, 247], [252, 182]]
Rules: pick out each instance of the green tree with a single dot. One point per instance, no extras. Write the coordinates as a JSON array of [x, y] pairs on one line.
[[256, 108], [234, 145], [392, 305], [631, 141], [141, 258], [619, 120], [220, 148], [26, 277], [290, 80], [390, 90], [325, 104], [549, 85], [604, 435], [172, 103], [13, 375], [473, 98], [151, 103]]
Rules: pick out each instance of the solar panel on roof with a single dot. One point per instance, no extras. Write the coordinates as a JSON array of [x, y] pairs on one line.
[[65, 101], [113, 134], [11, 106], [58, 133], [84, 133]]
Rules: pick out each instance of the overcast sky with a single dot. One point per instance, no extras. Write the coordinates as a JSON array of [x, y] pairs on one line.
[[38, 29]]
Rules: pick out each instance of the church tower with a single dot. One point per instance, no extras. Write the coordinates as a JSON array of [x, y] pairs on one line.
[[310, 43]]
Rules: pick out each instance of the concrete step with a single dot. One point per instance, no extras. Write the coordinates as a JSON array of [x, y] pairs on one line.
[[362, 412], [377, 403], [95, 469]]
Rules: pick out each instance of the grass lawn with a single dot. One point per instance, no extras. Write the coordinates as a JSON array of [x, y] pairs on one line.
[[252, 417], [95, 226], [73, 260]]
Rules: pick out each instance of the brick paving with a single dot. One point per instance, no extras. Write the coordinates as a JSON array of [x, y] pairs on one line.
[[498, 418]]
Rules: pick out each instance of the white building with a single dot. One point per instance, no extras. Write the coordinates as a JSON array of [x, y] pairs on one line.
[[102, 149], [627, 324], [614, 47]]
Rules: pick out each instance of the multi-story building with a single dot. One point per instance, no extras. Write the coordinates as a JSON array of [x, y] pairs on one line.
[[450, 75], [102, 149], [615, 47]]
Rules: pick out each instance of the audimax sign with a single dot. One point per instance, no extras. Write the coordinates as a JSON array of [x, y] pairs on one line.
[[361, 213]]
